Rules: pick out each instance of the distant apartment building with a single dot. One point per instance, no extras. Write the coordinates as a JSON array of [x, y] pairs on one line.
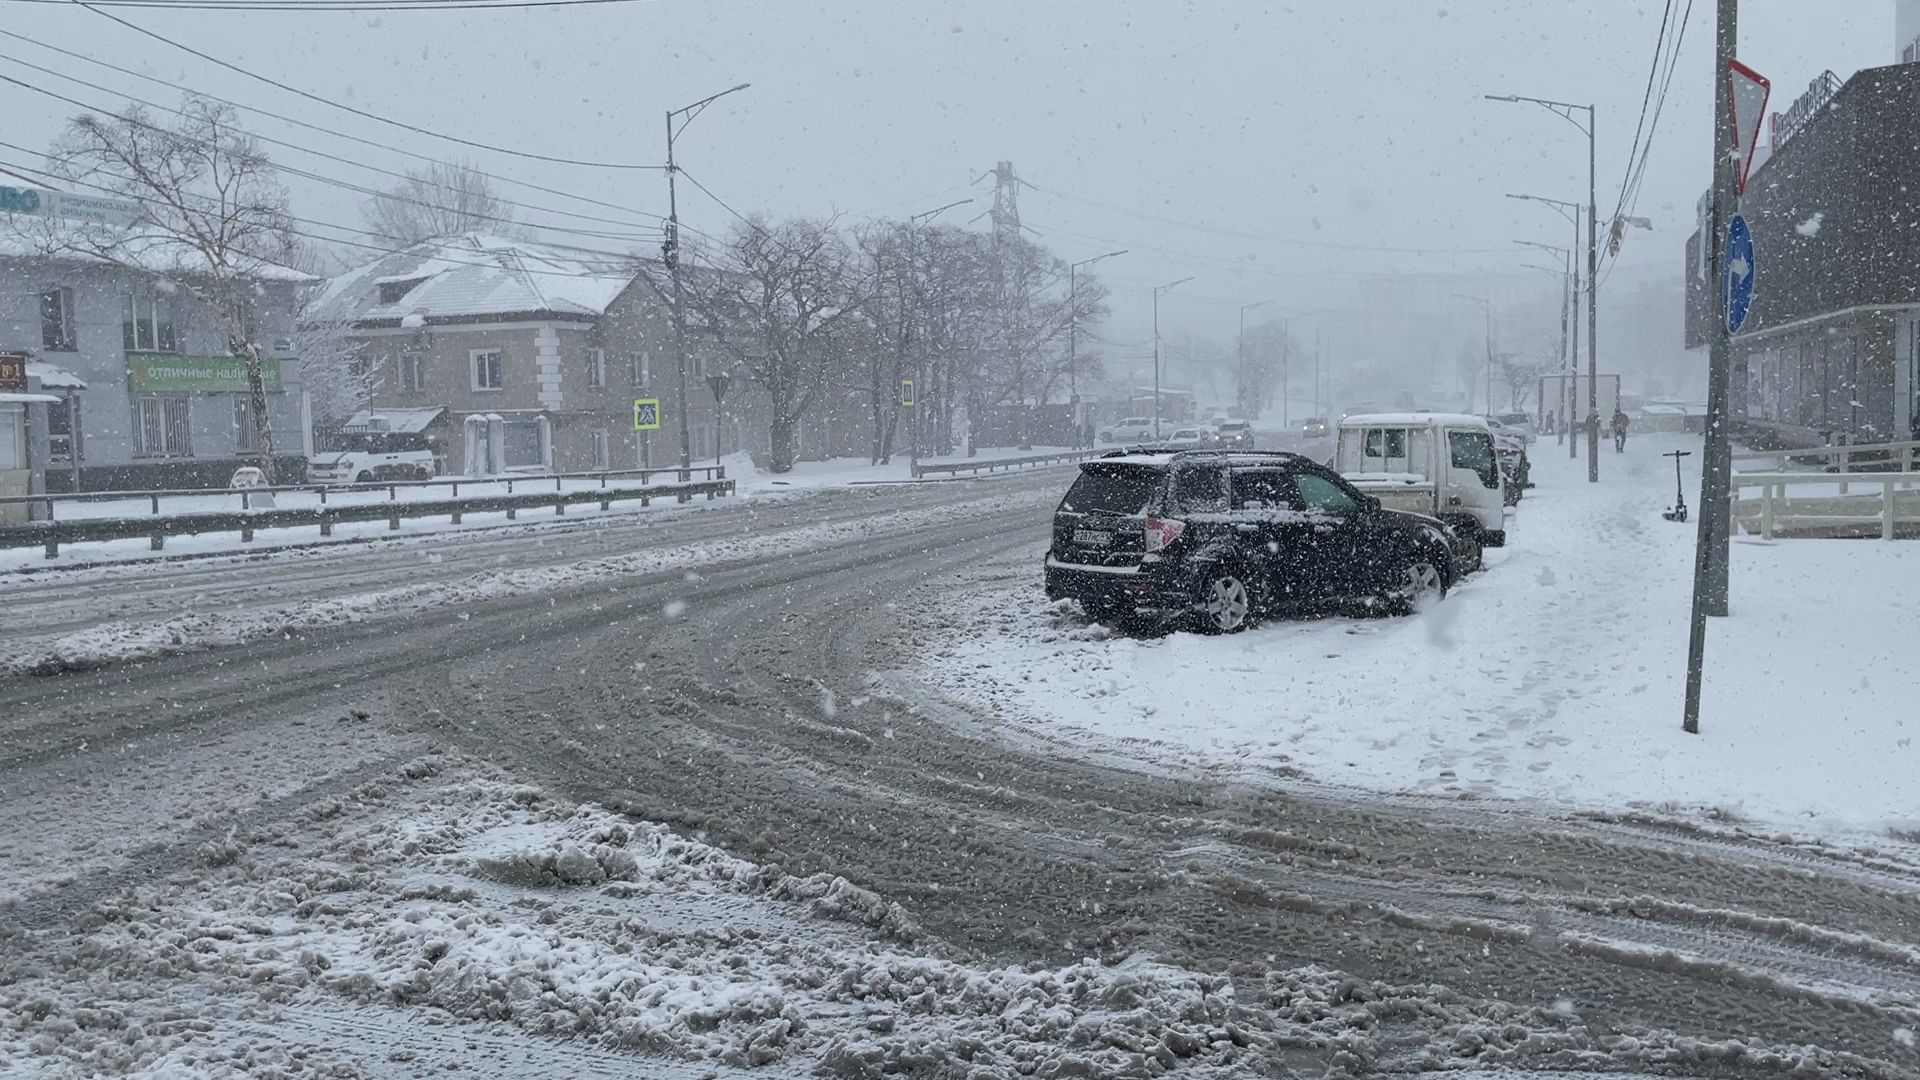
[[148, 392], [1831, 346]]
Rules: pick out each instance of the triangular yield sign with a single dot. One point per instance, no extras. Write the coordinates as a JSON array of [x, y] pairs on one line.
[[1750, 91]]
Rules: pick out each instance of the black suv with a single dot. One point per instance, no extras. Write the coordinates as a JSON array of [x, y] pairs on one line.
[[1230, 535]]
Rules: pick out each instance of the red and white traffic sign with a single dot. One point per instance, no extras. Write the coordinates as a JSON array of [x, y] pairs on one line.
[[1748, 102]]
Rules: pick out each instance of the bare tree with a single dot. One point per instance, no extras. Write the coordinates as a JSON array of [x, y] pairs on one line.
[[214, 216], [778, 299], [443, 199]]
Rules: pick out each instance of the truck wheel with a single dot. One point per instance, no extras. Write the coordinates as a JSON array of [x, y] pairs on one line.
[[365, 477], [1226, 602]]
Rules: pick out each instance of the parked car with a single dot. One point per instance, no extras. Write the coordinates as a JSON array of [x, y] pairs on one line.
[[1224, 537], [1440, 464], [1235, 434], [1192, 438], [1130, 430], [1516, 423], [1315, 428]]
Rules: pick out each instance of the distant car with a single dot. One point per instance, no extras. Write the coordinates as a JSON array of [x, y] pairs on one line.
[[1130, 430], [1517, 423], [1223, 538], [1235, 434], [1315, 428], [1192, 438]]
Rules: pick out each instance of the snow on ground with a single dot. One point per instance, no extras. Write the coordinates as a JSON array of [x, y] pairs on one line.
[[189, 631], [750, 482], [442, 918], [1557, 674]]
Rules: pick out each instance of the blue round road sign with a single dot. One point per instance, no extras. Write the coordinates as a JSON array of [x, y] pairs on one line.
[[1737, 289]]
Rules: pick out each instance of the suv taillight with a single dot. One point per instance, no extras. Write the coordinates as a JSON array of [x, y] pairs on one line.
[[1162, 532]]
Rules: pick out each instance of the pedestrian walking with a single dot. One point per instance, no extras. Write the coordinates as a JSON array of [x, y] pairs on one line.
[[1620, 424], [1546, 427]]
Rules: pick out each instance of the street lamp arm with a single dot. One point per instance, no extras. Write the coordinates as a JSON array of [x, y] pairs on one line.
[[916, 218], [1562, 109], [1095, 259], [695, 109]]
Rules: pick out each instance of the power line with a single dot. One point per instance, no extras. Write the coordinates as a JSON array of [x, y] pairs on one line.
[[1263, 237], [744, 219], [255, 109], [397, 197], [331, 5], [1646, 98], [352, 109]]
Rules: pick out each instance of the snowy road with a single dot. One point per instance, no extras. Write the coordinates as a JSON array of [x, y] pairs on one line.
[[173, 828]]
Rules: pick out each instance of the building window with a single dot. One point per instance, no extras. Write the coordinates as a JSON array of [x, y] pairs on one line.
[[601, 459], [160, 426], [56, 319], [146, 323], [639, 371], [412, 370], [486, 369], [244, 441], [12, 419], [596, 367]]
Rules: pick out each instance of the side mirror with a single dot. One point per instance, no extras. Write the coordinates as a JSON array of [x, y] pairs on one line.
[[1372, 503]]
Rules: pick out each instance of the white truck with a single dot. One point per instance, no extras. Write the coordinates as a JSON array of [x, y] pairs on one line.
[[1438, 464]]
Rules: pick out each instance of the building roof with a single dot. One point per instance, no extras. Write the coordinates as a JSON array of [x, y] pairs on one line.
[[474, 277]]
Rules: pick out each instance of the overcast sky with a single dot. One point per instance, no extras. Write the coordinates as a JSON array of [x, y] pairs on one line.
[[1327, 129]]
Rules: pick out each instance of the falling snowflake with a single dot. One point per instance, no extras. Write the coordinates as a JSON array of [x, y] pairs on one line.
[[1811, 226]]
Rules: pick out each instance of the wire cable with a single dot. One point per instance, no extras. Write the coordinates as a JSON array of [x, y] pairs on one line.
[[258, 111], [310, 96]]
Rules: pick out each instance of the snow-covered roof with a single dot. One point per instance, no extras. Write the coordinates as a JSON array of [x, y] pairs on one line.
[[54, 378], [1413, 419], [24, 237], [397, 421], [474, 276]]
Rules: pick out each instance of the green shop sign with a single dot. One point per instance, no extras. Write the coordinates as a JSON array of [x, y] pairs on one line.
[[158, 372]]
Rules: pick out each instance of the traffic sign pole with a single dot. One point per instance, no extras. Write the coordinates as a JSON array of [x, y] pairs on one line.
[[1710, 548]]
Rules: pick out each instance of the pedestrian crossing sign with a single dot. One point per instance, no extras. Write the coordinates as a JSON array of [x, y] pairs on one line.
[[646, 414]]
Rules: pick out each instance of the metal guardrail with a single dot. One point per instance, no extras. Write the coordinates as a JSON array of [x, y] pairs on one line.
[[391, 487], [1777, 512], [157, 528], [951, 468]]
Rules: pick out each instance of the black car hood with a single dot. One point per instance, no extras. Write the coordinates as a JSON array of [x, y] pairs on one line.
[[1407, 521]]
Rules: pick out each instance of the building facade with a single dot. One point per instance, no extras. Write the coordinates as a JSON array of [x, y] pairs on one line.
[[1831, 345], [151, 396]]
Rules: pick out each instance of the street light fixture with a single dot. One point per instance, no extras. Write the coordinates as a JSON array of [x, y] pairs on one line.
[[1566, 110], [670, 254], [1073, 340], [913, 455], [1157, 290]]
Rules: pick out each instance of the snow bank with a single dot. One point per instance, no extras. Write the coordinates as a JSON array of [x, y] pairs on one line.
[[1557, 674]]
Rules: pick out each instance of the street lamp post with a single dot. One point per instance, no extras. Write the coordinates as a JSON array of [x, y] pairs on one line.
[[1565, 111], [1570, 211], [1073, 338], [1566, 256], [670, 254], [1157, 290], [913, 220]]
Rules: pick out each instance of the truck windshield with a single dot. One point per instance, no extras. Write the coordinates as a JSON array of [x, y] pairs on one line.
[[1113, 489]]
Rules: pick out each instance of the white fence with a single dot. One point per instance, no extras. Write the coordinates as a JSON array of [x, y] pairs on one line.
[[1824, 511]]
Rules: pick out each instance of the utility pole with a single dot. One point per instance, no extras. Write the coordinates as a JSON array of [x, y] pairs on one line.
[[1566, 287], [1710, 547], [1073, 339], [1570, 398], [1240, 357], [670, 254], [1157, 290], [915, 425]]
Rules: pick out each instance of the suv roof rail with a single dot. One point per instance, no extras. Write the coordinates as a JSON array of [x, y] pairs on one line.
[[1211, 451]]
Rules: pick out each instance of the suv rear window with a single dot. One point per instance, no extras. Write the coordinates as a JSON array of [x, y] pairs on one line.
[[1113, 489]]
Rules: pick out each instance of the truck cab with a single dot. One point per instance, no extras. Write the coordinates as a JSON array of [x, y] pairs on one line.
[[1439, 464]]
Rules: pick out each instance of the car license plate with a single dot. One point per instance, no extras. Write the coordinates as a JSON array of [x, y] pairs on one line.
[[1092, 538]]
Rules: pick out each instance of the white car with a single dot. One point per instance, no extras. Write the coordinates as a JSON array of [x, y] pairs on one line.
[[369, 466], [1129, 430], [1192, 437], [1518, 424]]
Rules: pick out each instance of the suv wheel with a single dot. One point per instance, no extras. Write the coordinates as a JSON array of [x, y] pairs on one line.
[[1226, 602], [1422, 580]]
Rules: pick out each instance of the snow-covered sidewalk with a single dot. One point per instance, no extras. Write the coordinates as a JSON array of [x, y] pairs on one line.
[[1557, 674]]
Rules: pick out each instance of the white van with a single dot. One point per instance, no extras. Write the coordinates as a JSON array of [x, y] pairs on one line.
[[372, 457], [1439, 464], [1129, 430]]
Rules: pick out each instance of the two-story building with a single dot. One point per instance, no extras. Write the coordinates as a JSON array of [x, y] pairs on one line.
[[512, 355], [149, 393]]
